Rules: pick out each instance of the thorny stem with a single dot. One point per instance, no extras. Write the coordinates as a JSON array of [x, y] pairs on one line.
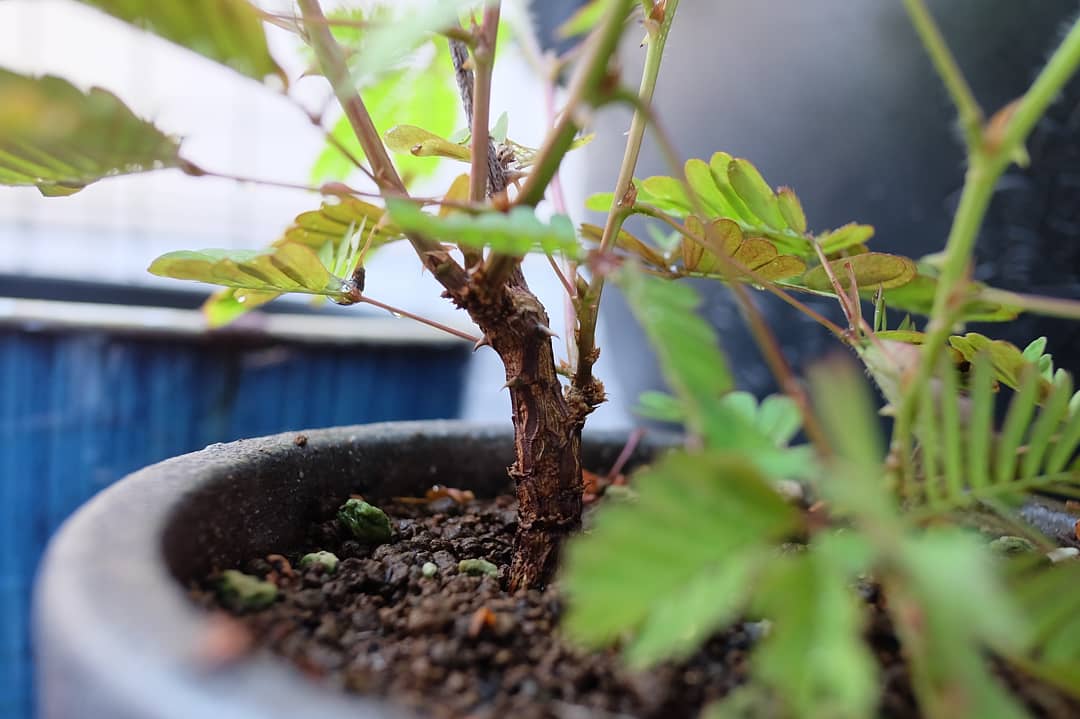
[[986, 163], [967, 108], [588, 306]]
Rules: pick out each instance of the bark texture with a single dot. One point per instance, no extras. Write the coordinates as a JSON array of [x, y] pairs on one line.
[[547, 424]]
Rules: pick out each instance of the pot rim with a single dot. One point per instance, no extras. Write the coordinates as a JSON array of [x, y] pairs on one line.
[[105, 597]]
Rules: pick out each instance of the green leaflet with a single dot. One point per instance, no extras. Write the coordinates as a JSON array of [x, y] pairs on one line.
[[227, 305], [671, 567], [289, 267], [228, 31], [1007, 359], [917, 296], [59, 139], [944, 632], [758, 254], [1049, 597], [871, 270], [515, 233], [418, 142], [686, 346], [822, 636], [337, 232], [333, 220], [696, 371]]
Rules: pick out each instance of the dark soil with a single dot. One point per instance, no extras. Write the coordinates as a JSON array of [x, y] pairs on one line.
[[454, 645]]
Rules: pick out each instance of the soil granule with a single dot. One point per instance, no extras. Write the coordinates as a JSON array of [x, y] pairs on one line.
[[456, 645]]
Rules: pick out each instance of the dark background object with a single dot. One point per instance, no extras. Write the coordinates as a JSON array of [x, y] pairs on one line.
[[82, 406], [837, 99]]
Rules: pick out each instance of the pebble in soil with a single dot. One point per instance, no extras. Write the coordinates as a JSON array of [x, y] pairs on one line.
[[414, 621]]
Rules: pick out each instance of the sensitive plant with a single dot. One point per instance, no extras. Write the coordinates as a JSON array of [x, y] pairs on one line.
[[738, 523]]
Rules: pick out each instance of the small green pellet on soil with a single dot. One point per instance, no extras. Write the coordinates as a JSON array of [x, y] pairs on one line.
[[401, 621], [327, 560], [242, 592], [366, 522]]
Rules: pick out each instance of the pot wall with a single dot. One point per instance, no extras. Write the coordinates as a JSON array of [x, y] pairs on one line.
[[115, 636]]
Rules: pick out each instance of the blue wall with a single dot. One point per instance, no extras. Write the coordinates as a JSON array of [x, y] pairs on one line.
[[79, 411]]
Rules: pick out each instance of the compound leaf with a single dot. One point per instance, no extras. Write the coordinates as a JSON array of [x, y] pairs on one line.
[[289, 267], [675, 565], [228, 31], [59, 139], [871, 269], [514, 233]]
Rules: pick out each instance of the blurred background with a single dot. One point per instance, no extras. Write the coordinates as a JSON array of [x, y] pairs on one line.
[[104, 368]]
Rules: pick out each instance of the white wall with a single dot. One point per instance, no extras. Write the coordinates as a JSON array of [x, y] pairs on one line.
[[113, 229]]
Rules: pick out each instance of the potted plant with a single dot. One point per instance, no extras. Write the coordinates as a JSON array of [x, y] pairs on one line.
[[796, 550]]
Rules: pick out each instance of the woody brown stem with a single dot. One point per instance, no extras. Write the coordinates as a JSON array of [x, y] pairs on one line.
[[547, 429], [547, 426]]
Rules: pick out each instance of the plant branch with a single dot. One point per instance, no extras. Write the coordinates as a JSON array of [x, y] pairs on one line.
[[985, 166], [588, 307], [1031, 107], [587, 87], [332, 60], [483, 63], [329, 188], [967, 108], [423, 320], [487, 175], [288, 22]]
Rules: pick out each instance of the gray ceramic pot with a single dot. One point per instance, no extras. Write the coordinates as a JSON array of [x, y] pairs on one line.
[[115, 635]]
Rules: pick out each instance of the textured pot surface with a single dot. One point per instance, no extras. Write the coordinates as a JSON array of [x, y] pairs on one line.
[[117, 638]]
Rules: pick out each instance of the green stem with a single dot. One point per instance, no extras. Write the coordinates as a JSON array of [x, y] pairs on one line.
[[986, 163], [1061, 67], [587, 87], [588, 306], [971, 115], [483, 58]]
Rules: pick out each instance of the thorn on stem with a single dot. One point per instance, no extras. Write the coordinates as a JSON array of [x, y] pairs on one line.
[[513, 382], [545, 330]]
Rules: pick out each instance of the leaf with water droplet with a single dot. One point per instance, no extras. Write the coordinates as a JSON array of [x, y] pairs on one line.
[[289, 267]]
